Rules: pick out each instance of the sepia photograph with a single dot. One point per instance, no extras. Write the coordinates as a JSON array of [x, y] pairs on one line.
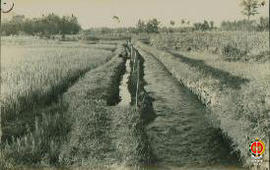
[[134, 85]]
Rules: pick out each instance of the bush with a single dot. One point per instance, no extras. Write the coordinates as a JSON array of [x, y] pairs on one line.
[[231, 52], [204, 26]]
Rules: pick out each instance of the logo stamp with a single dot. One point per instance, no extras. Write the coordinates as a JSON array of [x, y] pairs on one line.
[[257, 149]]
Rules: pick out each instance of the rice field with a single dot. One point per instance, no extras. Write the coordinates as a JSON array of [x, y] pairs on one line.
[[35, 73], [63, 102]]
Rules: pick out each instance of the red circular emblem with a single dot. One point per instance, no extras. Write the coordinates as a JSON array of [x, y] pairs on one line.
[[257, 148]]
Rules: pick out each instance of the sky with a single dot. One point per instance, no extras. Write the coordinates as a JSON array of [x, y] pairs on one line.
[[99, 13]]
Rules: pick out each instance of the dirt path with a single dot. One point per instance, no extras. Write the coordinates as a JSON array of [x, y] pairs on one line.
[[181, 133]]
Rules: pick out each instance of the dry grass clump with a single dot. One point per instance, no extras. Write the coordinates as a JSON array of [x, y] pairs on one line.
[[238, 98]]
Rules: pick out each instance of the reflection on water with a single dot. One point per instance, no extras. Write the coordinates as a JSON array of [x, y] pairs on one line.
[[124, 92]]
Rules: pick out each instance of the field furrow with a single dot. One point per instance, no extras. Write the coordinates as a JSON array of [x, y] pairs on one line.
[[182, 132]]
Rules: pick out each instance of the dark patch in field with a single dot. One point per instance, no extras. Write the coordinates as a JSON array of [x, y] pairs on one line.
[[224, 77], [144, 99]]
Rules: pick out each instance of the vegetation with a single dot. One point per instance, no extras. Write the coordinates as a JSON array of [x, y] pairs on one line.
[[67, 28], [246, 25], [59, 99], [250, 7], [90, 139], [152, 26], [232, 46], [204, 26], [47, 26], [34, 77], [68, 116], [235, 92], [102, 134]]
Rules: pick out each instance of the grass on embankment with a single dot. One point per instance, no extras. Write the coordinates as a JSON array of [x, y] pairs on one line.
[[240, 105], [89, 139], [103, 135]]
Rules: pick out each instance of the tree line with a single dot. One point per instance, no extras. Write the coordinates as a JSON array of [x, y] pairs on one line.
[[48, 25], [53, 24]]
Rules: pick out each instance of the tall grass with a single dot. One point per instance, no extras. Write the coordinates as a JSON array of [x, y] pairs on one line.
[[242, 113], [41, 144]]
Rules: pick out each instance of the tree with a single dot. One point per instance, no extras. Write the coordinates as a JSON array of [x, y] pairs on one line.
[[69, 25], [74, 24], [202, 26], [172, 23], [152, 26], [212, 24], [264, 24], [141, 26], [250, 7], [183, 21]]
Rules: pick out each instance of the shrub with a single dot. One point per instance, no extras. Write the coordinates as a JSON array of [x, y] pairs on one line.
[[231, 52]]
